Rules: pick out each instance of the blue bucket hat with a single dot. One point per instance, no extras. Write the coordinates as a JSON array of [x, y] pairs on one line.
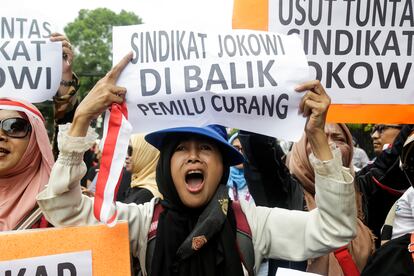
[[215, 132]]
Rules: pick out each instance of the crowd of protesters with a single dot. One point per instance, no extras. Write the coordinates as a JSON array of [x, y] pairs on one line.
[[201, 182]]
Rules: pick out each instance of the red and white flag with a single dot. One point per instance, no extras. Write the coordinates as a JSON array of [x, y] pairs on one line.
[[117, 131]]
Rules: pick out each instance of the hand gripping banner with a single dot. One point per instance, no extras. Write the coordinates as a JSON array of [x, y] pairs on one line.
[[117, 131]]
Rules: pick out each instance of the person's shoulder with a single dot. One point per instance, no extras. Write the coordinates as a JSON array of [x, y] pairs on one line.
[[410, 193]]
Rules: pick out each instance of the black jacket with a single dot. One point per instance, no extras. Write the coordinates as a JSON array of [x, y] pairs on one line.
[[267, 176], [270, 182], [377, 199]]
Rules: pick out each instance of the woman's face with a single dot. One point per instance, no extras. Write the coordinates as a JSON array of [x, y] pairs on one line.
[[236, 143], [11, 149], [336, 135], [196, 170]]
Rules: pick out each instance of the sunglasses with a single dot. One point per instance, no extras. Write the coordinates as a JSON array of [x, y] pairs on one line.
[[15, 127], [382, 128]]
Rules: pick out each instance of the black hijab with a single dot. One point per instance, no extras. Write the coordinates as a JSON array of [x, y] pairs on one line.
[[193, 241]]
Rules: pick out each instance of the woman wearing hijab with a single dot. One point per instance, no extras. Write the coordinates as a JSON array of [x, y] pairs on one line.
[[196, 228], [237, 183], [300, 166], [26, 157], [143, 159], [26, 160]]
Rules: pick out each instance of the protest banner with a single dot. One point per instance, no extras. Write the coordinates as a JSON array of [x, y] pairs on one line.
[[361, 50], [86, 250], [30, 65], [241, 79]]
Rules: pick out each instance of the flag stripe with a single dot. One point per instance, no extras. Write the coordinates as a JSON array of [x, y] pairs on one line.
[[10, 105], [116, 137], [114, 125], [114, 178]]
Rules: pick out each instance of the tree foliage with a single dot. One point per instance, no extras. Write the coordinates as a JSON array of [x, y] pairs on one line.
[[91, 36]]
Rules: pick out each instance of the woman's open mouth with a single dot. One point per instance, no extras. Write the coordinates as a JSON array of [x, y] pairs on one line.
[[4, 152], [194, 181]]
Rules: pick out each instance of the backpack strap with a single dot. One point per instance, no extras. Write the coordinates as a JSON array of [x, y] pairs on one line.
[[390, 190], [244, 238], [152, 234], [154, 222], [386, 231], [32, 220], [346, 262], [241, 220]]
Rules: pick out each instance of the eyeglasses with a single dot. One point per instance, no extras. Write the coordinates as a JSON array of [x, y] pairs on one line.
[[382, 128], [15, 127]]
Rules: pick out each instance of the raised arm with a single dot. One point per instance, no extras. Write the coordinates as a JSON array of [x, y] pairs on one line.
[[102, 95], [297, 235], [62, 201], [65, 101], [314, 105]]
